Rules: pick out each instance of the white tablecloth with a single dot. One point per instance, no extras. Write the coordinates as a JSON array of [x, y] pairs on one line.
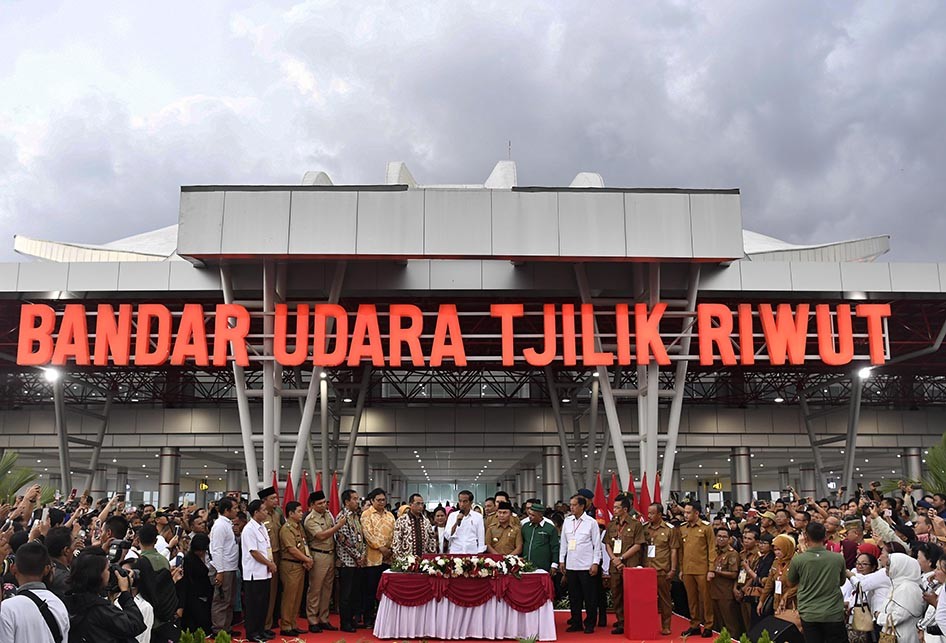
[[444, 620]]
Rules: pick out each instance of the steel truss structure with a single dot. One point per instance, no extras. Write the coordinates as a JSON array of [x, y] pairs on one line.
[[913, 377]]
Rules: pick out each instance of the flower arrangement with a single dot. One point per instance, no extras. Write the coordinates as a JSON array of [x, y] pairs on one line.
[[463, 566]]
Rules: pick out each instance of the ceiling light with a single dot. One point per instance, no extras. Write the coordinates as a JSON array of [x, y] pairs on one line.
[[114, 460], [490, 461], [51, 374], [565, 400], [595, 374], [346, 400], [323, 375], [779, 400], [865, 372]]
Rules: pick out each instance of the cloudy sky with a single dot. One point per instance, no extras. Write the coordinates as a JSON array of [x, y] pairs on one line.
[[828, 116]]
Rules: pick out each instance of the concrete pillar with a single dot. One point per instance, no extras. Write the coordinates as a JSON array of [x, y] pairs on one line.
[[528, 485], [507, 483], [515, 493], [169, 476], [808, 481], [783, 481], [377, 477], [551, 474], [675, 484], [55, 481], [99, 486], [200, 495], [235, 480], [358, 480], [121, 481], [742, 475], [395, 491], [702, 491], [913, 467]]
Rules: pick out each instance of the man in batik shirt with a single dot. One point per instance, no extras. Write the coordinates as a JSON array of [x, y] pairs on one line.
[[350, 553], [413, 533]]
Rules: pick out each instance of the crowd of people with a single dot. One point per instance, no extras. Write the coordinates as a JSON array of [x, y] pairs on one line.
[[842, 568]]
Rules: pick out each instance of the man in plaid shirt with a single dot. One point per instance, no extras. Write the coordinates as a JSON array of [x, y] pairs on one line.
[[350, 553]]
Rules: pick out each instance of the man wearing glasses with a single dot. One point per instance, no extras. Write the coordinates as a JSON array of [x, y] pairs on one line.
[[465, 531], [378, 526], [413, 533]]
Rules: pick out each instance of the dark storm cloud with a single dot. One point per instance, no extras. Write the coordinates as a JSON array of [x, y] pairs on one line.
[[828, 116]]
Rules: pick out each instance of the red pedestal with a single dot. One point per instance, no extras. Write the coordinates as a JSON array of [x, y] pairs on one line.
[[641, 618]]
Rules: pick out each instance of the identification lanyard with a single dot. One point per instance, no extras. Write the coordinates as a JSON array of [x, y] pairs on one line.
[[575, 530]]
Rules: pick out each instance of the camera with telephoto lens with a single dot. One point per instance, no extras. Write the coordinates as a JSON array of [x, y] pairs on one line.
[[114, 571], [116, 552]]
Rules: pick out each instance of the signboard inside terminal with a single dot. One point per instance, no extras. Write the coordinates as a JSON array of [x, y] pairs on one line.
[[404, 335]]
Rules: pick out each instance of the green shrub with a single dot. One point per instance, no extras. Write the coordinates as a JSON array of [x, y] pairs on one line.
[[724, 636], [186, 637], [199, 635], [223, 636], [766, 638], [744, 638]]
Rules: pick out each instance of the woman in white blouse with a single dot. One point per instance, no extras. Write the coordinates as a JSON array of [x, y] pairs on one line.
[[874, 583], [905, 605]]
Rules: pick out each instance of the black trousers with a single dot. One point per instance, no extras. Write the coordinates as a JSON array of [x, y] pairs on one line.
[[372, 577], [582, 590], [350, 581], [824, 632], [254, 605]]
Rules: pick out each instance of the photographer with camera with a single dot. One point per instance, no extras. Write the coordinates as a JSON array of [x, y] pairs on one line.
[[94, 618], [157, 586]]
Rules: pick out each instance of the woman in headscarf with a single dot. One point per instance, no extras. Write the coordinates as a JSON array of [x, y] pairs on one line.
[[905, 605], [777, 585]]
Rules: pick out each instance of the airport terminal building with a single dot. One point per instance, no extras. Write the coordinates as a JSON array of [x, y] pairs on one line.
[[433, 338]]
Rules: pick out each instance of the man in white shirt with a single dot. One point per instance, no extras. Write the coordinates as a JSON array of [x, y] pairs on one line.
[[258, 569], [465, 532], [21, 619], [225, 554], [580, 556]]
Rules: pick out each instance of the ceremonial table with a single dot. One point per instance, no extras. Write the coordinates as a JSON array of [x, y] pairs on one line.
[[417, 606]]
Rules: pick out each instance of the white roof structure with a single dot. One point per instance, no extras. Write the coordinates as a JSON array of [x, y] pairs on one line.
[[161, 244]]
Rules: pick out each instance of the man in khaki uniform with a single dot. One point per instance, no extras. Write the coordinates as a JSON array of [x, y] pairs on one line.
[[699, 556], [492, 519], [662, 553], [273, 524], [725, 574], [503, 537], [623, 541], [320, 531], [295, 562]]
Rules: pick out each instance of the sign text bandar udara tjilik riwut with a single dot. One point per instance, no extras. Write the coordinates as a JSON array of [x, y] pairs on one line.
[[329, 335]]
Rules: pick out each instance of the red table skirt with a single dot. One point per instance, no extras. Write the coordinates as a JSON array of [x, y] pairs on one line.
[[525, 594]]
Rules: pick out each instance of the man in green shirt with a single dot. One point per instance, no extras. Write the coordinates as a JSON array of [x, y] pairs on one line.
[[540, 540], [819, 575]]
